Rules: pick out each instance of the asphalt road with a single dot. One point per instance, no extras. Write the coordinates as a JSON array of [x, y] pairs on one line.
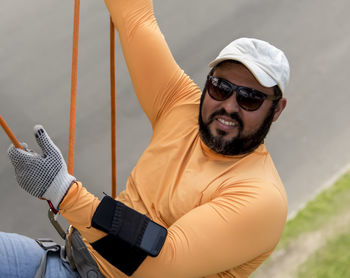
[[309, 143]]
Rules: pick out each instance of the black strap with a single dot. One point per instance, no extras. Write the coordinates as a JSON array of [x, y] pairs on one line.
[[49, 246], [119, 253], [85, 263]]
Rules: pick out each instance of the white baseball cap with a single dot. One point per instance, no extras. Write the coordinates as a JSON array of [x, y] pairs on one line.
[[267, 63]]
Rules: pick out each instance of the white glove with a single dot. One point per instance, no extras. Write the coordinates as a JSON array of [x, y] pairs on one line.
[[43, 176]]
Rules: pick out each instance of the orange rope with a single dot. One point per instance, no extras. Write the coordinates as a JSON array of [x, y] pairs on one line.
[[73, 102], [72, 121], [9, 133], [113, 111]]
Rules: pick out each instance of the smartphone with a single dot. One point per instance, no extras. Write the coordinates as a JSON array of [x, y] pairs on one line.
[[153, 239]]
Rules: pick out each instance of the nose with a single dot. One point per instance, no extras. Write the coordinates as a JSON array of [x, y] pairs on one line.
[[230, 104]]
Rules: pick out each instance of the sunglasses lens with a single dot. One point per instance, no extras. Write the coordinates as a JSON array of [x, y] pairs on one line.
[[219, 90], [249, 100]]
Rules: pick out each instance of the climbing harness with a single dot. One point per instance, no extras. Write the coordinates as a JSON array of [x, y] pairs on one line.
[[75, 251], [49, 246], [76, 254]]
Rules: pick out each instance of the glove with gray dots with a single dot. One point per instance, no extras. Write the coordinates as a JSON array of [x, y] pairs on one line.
[[42, 175]]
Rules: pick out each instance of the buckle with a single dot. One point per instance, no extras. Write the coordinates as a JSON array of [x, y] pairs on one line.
[[48, 244]]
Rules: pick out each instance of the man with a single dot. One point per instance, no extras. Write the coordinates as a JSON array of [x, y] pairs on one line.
[[206, 176]]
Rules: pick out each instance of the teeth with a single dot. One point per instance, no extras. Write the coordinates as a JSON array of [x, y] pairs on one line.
[[226, 122]]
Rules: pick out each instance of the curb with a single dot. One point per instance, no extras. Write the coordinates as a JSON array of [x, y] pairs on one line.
[[325, 186]]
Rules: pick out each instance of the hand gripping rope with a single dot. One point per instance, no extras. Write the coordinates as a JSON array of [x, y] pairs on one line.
[[17, 144], [70, 162]]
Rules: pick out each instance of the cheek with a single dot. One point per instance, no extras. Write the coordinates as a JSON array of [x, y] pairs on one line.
[[207, 108], [252, 121]]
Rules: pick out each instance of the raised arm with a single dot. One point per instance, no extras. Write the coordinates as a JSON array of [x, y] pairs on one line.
[[158, 81]]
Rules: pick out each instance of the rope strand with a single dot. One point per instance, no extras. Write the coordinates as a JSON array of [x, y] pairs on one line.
[[73, 102], [9, 133], [113, 111]]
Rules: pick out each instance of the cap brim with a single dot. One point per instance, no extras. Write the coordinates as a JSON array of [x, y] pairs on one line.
[[260, 75]]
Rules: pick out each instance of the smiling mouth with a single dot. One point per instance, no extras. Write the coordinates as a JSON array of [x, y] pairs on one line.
[[227, 123]]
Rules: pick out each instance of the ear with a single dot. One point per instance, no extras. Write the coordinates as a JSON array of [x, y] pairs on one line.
[[279, 108]]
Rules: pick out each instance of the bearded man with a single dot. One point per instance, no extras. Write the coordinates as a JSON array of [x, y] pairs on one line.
[[204, 199]]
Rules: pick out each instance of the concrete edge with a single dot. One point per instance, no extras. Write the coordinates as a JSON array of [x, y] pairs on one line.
[[325, 185]]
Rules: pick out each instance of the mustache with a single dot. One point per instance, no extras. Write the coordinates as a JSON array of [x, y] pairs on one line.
[[222, 112]]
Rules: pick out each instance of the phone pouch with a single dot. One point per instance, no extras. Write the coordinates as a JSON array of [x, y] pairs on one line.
[[131, 237]]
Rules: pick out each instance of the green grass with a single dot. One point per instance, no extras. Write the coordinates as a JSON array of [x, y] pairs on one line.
[[319, 211], [331, 261]]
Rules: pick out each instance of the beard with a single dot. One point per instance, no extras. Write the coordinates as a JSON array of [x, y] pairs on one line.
[[239, 144]]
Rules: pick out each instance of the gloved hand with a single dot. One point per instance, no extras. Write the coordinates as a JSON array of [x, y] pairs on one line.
[[43, 176]]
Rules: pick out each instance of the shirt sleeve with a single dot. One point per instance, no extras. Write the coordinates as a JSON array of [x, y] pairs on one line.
[[242, 222], [78, 207], [158, 81]]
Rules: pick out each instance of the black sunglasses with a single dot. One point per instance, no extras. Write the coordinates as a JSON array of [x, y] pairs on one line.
[[247, 98]]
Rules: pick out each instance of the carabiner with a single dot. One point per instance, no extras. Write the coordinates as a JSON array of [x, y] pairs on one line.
[[53, 219]]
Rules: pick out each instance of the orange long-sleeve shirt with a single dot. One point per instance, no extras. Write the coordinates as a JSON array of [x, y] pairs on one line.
[[224, 214]]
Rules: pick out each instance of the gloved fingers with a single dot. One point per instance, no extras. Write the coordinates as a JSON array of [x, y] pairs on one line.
[[26, 147], [44, 141], [17, 155]]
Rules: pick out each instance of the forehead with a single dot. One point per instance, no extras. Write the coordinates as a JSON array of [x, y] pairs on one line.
[[239, 74]]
